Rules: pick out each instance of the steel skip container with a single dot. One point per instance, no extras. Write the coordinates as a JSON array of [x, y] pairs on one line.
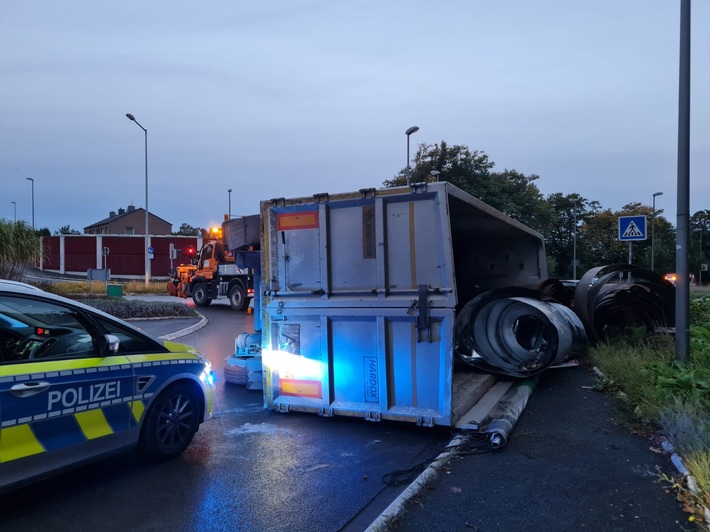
[[360, 293]]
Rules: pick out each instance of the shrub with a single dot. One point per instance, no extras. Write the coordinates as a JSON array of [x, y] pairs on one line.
[[125, 310]]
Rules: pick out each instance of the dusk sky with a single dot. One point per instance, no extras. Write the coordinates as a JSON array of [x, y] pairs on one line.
[[292, 98]]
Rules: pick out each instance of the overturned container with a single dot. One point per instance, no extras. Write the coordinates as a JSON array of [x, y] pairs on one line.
[[361, 292]]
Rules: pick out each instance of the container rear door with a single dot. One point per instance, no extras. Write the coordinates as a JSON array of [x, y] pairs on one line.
[[358, 313]]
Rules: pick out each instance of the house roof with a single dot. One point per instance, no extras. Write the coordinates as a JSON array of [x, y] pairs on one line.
[[112, 219]]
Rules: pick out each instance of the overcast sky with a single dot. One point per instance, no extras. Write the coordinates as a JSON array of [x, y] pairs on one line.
[[291, 98]]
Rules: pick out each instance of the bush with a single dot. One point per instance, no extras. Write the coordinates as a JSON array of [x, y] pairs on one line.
[[126, 310]]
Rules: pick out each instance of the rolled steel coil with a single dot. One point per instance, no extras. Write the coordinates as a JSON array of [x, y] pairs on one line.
[[517, 332], [612, 299]]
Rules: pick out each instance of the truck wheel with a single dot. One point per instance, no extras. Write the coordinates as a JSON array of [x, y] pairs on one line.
[[171, 423], [236, 297], [199, 295]]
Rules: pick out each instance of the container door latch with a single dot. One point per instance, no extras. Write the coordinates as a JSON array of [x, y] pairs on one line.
[[423, 319]]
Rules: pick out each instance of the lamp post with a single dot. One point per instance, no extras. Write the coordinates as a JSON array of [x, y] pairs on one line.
[[700, 254], [230, 203], [653, 227], [147, 258], [574, 241], [33, 201], [409, 132], [436, 174], [14, 206]]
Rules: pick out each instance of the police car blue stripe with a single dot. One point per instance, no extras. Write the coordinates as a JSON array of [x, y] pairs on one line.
[[118, 416], [58, 433]]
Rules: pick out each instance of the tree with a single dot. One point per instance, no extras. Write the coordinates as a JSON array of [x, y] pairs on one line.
[[511, 192], [66, 230], [568, 210], [515, 194], [44, 231], [456, 164], [601, 240], [699, 242], [188, 230]]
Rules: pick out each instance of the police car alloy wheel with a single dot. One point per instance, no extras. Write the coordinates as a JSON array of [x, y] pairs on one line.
[[171, 423]]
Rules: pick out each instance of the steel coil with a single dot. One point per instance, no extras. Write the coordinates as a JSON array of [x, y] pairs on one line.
[[517, 332]]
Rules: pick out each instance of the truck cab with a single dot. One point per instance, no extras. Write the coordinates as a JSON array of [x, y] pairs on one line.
[[216, 275]]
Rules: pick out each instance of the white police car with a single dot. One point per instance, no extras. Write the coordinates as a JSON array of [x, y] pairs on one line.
[[77, 384]]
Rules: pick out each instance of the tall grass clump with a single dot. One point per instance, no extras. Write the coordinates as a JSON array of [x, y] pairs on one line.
[[20, 249], [82, 289], [139, 287]]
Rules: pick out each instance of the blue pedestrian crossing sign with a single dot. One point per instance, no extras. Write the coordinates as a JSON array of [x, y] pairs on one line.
[[632, 228]]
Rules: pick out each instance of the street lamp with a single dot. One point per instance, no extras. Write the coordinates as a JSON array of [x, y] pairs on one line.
[[700, 254], [435, 173], [33, 201], [147, 258], [230, 203], [574, 244], [409, 132], [14, 206], [653, 227]]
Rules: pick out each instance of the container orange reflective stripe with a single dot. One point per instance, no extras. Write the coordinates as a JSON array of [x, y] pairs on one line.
[[297, 220]]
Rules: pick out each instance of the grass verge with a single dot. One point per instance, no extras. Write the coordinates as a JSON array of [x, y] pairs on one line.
[[664, 394]]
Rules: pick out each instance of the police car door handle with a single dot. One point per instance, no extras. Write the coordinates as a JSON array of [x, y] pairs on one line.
[[28, 389]]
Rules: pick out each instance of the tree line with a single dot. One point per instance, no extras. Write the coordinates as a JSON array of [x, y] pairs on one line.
[[560, 218]]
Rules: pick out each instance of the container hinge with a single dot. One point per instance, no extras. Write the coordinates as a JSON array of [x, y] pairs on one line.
[[425, 421], [275, 201], [365, 191], [319, 292], [283, 408], [418, 187], [321, 197], [373, 416], [326, 412]]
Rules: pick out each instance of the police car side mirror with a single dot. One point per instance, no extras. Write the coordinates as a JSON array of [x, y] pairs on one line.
[[111, 343]]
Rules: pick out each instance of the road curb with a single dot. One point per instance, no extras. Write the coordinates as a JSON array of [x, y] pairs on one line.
[[396, 507], [188, 330]]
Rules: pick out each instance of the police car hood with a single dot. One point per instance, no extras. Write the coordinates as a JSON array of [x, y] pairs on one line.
[[175, 347]]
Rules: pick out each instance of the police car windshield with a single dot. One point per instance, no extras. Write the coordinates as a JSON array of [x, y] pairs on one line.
[[26, 312]]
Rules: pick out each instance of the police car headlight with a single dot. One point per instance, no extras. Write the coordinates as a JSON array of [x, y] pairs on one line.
[[207, 376]]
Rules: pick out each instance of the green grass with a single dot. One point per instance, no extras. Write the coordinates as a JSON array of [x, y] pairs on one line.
[[666, 395]]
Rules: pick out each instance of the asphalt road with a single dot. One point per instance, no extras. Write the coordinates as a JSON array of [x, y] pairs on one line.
[[247, 469]]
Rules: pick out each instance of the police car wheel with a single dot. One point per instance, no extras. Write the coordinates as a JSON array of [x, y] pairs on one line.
[[171, 423]]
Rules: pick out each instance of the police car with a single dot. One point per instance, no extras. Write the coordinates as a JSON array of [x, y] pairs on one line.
[[77, 384]]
